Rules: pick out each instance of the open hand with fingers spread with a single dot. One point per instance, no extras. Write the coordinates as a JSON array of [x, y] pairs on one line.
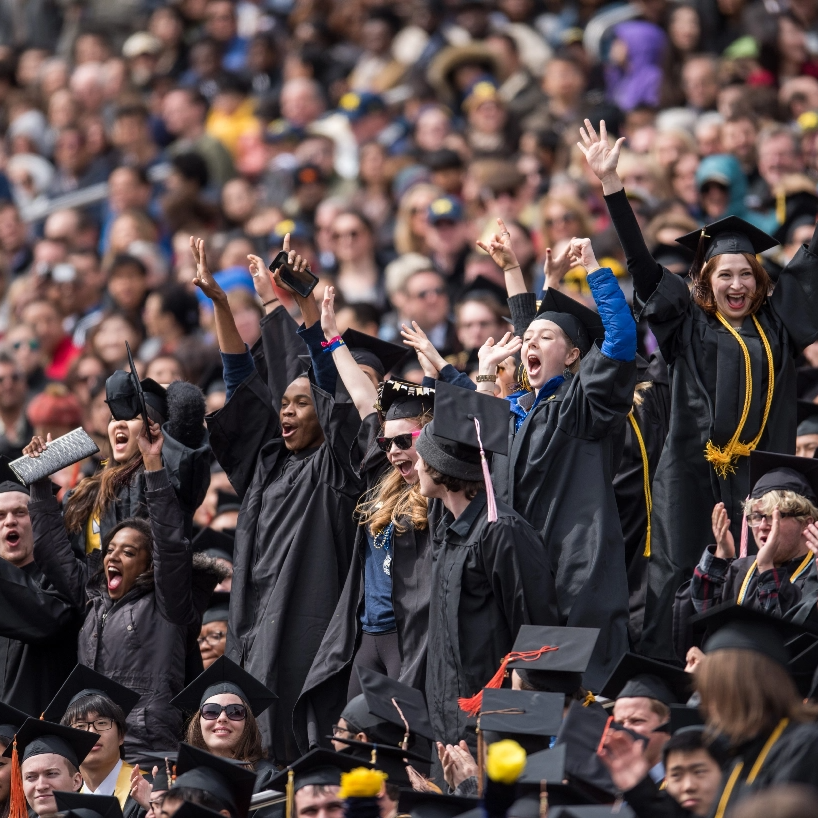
[[416, 338], [602, 157], [492, 354], [725, 544]]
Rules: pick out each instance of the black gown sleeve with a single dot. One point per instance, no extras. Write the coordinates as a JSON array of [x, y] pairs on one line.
[[643, 268], [795, 298], [523, 309]]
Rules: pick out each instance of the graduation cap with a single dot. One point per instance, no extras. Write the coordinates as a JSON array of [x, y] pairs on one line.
[[128, 397], [556, 671], [11, 720], [728, 235], [214, 543], [521, 712], [318, 767], [82, 805], [83, 682], [228, 781], [482, 286], [673, 256], [368, 350], [218, 609], [360, 719], [165, 762], [800, 208], [639, 676], [582, 325], [8, 479], [387, 758], [396, 702], [770, 471], [546, 775], [681, 717], [807, 418], [38, 737], [400, 399], [225, 676], [227, 501], [434, 805]]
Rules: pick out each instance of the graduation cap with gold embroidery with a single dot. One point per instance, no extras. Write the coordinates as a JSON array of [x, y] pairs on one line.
[[399, 399]]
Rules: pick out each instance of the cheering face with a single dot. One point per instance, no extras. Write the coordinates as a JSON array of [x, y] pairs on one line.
[[42, 774], [222, 735], [545, 352], [734, 284], [16, 540], [299, 422], [403, 460], [122, 435], [125, 559]]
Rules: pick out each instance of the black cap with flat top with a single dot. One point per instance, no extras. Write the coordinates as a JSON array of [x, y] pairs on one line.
[[128, 397], [434, 805], [728, 235], [582, 325], [557, 671], [82, 682], [400, 399], [225, 676], [800, 209], [11, 720], [387, 758], [190, 810], [395, 702], [368, 350], [318, 767], [770, 471], [82, 805], [637, 676], [807, 418], [38, 737], [226, 501], [228, 781], [218, 609], [521, 712], [9, 480]]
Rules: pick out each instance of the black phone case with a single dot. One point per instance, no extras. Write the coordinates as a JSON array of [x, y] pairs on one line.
[[288, 276]]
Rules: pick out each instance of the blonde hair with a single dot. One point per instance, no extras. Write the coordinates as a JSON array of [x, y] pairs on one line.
[[405, 240], [787, 502]]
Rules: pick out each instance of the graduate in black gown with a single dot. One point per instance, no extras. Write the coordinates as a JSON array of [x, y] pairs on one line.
[[285, 444], [490, 573], [731, 348]]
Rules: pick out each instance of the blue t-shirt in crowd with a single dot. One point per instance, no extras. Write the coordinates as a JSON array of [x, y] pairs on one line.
[[378, 615]]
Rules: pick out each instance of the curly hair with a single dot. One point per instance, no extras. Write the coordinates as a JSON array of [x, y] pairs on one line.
[[703, 290], [454, 484], [787, 502]]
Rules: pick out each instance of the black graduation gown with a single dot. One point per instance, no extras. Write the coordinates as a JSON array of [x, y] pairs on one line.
[[559, 477], [707, 388], [325, 690], [487, 580], [38, 638], [295, 530]]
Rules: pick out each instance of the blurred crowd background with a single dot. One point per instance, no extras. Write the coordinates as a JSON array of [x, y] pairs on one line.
[[386, 138]]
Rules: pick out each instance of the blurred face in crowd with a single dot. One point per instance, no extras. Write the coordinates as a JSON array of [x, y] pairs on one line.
[[488, 117], [777, 156], [126, 557], [299, 422], [426, 300], [475, 323], [734, 283], [301, 102], [684, 29], [431, 129], [319, 151], [125, 190], [180, 114], [715, 199], [212, 642], [16, 539], [13, 229], [45, 320], [693, 779], [69, 152], [447, 237], [220, 20], [12, 387], [546, 352], [700, 83], [222, 735], [62, 110], [708, 139], [739, 138], [668, 146], [127, 286], [110, 336], [564, 81], [351, 238], [683, 179], [560, 222], [164, 369], [238, 200], [637, 714], [25, 346], [806, 445], [44, 773]]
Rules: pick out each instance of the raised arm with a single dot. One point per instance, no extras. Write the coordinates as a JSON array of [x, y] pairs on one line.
[[503, 255], [356, 382], [603, 159], [432, 363]]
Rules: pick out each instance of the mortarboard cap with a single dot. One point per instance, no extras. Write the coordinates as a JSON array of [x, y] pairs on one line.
[[482, 286], [728, 235], [770, 471], [521, 712], [82, 805], [9, 480], [11, 720], [82, 682], [360, 719], [128, 397], [547, 765], [399, 399], [384, 696], [367, 350], [434, 805], [165, 763], [389, 759], [320, 766], [582, 325], [225, 676], [639, 676], [38, 737], [581, 733], [807, 418], [214, 543], [228, 781], [676, 258], [681, 716], [557, 671], [218, 609], [227, 501]]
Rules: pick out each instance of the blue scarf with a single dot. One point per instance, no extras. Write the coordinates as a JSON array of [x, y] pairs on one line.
[[548, 389]]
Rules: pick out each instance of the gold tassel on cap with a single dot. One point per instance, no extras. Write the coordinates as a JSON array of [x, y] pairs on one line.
[[290, 793]]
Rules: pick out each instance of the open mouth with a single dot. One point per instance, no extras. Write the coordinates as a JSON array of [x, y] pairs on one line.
[[288, 429], [114, 576], [405, 468], [13, 539], [533, 365], [736, 302], [120, 441]]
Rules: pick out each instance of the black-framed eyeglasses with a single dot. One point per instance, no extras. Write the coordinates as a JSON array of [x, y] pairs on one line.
[[337, 730], [211, 711], [755, 519], [97, 725], [403, 442], [212, 639]]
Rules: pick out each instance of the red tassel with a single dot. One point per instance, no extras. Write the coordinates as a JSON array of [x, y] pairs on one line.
[[491, 500], [17, 797], [473, 704], [744, 534]]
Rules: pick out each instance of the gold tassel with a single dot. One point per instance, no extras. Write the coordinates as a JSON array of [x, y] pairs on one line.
[[543, 799], [781, 207], [589, 699], [290, 793], [481, 761], [645, 478]]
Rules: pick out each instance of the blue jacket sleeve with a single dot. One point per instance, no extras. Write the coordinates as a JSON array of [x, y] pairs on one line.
[[620, 328], [237, 367], [452, 376], [323, 367]]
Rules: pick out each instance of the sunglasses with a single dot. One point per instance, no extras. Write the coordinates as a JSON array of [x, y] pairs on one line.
[[424, 294], [566, 217], [212, 711], [403, 442]]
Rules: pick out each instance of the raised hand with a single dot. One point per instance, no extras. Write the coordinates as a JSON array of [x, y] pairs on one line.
[[204, 278], [416, 338], [693, 659], [767, 552], [725, 544], [141, 789], [555, 267], [151, 449], [261, 280], [624, 757], [811, 536], [37, 445], [602, 158], [328, 321], [500, 249], [491, 355], [581, 252]]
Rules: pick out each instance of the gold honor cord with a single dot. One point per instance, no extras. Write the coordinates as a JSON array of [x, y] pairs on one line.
[[645, 478], [724, 459], [756, 769], [798, 571]]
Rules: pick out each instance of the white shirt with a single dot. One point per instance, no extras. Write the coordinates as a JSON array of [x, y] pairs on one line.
[[108, 784]]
